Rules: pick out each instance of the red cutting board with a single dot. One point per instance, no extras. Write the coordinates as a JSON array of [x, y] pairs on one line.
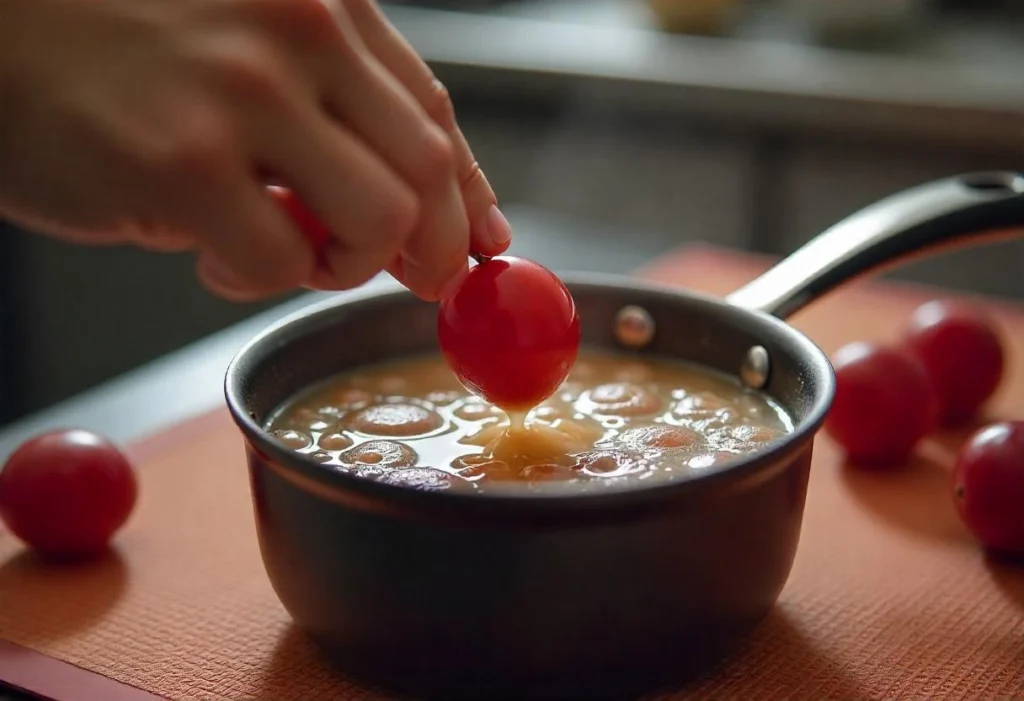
[[889, 596]]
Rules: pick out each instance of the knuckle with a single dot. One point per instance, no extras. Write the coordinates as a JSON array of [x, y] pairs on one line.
[[291, 13], [284, 277], [361, 11], [278, 270], [307, 22], [312, 13], [274, 273], [436, 158], [348, 50], [196, 149], [249, 72], [396, 219], [473, 177], [439, 106]]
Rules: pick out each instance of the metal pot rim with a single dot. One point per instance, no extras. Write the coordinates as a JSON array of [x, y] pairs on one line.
[[554, 496]]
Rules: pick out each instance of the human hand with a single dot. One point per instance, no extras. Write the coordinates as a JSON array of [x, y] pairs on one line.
[[159, 123]]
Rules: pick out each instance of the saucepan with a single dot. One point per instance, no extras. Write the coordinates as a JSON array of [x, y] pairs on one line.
[[554, 594]]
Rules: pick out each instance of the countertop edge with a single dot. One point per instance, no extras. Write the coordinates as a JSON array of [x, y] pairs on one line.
[[768, 81]]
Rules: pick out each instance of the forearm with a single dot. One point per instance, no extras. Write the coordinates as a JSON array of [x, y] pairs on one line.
[[14, 72]]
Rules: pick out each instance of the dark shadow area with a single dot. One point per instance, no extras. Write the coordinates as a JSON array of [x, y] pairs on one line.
[[55, 599], [780, 658], [776, 652], [1008, 574], [917, 497], [299, 670]]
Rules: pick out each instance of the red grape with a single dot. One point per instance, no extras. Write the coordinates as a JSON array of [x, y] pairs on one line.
[[962, 354], [510, 332], [988, 486], [311, 227], [884, 403], [65, 493]]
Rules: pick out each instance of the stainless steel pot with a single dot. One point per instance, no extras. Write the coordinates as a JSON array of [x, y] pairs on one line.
[[551, 594]]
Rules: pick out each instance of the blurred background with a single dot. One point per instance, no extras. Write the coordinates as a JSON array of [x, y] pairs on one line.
[[612, 131]]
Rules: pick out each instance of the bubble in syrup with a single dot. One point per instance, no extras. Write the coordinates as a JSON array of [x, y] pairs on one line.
[[335, 441], [419, 478], [548, 472], [613, 422], [383, 453], [348, 398], [550, 414], [709, 459], [662, 436], [605, 462], [497, 470], [330, 413], [754, 434], [443, 398], [620, 399], [302, 418], [370, 471], [702, 405], [476, 411], [296, 440], [395, 419]]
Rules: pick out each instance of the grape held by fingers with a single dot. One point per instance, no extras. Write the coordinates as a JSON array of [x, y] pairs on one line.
[[510, 332], [318, 235]]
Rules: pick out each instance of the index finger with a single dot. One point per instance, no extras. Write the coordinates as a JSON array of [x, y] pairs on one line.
[[489, 230]]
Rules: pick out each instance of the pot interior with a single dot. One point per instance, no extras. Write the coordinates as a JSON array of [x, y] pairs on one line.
[[357, 329]]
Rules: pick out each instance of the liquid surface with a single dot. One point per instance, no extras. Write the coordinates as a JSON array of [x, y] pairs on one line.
[[614, 418]]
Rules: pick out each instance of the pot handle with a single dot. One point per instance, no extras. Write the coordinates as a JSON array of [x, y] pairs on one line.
[[913, 222]]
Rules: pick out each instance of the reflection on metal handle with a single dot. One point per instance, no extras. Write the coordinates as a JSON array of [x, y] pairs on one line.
[[943, 213]]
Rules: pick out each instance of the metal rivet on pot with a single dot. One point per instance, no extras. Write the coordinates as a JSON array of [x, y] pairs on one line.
[[754, 371], [634, 326]]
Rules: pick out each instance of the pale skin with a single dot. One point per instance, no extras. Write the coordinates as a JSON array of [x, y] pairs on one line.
[[158, 123]]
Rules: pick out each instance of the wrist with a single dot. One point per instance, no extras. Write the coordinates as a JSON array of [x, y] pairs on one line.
[[16, 52], [10, 19], [12, 92]]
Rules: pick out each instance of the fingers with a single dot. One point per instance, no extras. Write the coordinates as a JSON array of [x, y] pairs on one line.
[[250, 247], [161, 240], [490, 232], [369, 210], [371, 102], [392, 122], [198, 181], [377, 122], [365, 142]]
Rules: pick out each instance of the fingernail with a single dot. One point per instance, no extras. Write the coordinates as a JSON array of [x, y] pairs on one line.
[[452, 286], [498, 229]]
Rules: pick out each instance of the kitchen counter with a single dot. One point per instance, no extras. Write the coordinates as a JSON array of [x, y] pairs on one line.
[[844, 615], [956, 80]]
